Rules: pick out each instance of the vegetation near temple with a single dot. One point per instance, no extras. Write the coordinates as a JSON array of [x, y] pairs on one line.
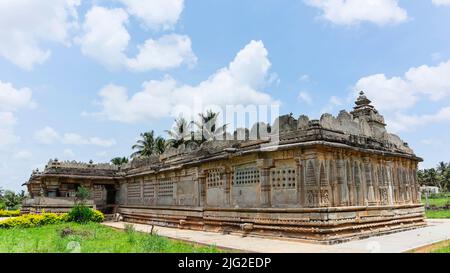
[[89, 238], [11, 200], [118, 161], [437, 177], [181, 133]]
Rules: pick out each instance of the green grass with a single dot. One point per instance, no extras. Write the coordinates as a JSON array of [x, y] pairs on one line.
[[439, 214], [90, 238], [438, 202]]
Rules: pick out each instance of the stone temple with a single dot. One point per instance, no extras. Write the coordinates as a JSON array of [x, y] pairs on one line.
[[327, 181]]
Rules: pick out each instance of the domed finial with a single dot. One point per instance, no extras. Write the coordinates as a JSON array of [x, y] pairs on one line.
[[362, 100]]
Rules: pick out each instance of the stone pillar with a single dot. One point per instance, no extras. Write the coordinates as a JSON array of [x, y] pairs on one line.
[[389, 181], [157, 179], [350, 182], [335, 200], [202, 188], [142, 189], [227, 178], [342, 182], [369, 182], [300, 173], [324, 184], [264, 166]]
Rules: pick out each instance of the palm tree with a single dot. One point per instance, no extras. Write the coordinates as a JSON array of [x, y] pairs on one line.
[[179, 134], [148, 145], [208, 126], [118, 161], [160, 145], [145, 146]]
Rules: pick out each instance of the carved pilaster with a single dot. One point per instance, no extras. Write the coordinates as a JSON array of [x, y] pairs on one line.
[[202, 188], [264, 166], [301, 193], [369, 182], [342, 182], [228, 178]]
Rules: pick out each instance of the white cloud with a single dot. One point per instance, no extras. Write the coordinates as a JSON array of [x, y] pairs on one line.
[[387, 93], [441, 2], [235, 84], [68, 153], [7, 136], [401, 93], [156, 14], [405, 122], [304, 96], [349, 12], [46, 135], [49, 135], [304, 78], [23, 154], [76, 139], [106, 39], [27, 24], [12, 99], [333, 102], [395, 96], [167, 52]]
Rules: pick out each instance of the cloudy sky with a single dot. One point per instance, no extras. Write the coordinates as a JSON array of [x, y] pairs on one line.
[[80, 79]]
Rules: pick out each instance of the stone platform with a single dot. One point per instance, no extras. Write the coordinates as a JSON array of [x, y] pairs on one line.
[[436, 230], [317, 225]]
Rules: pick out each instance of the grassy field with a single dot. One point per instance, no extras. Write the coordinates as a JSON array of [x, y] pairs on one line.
[[438, 202], [90, 238], [438, 214]]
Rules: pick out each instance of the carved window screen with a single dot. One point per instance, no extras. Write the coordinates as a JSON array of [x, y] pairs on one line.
[[215, 178], [149, 188], [245, 176], [134, 190], [283, 178], [165, 188]]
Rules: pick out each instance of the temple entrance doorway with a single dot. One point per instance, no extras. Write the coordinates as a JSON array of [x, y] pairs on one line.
[[110, 195], [110, 199]]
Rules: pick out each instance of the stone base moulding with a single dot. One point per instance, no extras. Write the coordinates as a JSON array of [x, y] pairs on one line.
[[316, 225]]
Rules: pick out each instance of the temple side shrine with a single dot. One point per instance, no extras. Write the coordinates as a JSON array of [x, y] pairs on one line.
[[327, 180]]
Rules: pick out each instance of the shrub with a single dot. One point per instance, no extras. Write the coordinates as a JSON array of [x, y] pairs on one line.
[[2, 205], [97, 216], [83, 214], [9, 213], [33, 220]]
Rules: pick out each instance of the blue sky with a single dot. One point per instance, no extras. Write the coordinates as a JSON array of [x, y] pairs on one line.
[[80, 80]]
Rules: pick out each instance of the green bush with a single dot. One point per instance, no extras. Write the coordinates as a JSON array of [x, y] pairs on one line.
[[9, 213], [83, 214], [97, 217], [33, 220], [2, 205]]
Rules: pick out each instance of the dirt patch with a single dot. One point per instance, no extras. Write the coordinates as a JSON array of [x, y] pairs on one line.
[[430, 248], [67, 231]]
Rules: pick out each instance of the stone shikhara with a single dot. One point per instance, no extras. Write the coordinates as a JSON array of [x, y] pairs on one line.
[[327, 180]]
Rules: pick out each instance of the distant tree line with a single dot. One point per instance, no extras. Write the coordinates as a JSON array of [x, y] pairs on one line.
[[10, 199], [437, 177], [183, 132]]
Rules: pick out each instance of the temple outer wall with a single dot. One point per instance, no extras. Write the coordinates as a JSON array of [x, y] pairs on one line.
[[319, 193], [301, 178]]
